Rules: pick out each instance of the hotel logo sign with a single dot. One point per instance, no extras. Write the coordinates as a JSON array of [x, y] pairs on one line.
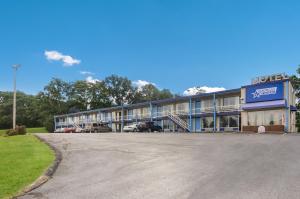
[[270, 78], [264, 92]]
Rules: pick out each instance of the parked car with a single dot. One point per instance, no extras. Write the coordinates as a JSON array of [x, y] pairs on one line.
[[79, 130], [69, 130], [149, 127], [59, 130], [97, 127], [131, 128]]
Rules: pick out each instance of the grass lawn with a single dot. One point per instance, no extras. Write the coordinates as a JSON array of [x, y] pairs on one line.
[[29, 130], [37, 130], [23, 159]]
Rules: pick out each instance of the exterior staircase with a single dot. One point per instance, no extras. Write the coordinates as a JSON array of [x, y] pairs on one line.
[[177, 120], [75, 125]]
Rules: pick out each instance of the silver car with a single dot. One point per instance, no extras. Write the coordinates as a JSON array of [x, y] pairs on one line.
[[131, 128]]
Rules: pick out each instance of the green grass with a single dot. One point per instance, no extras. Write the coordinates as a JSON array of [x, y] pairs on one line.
[[2, 132], [37, 130], [29, 130], [23, 159]]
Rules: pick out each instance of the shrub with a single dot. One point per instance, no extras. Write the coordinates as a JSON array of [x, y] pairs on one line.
[[49, 124], [20, 130], [11, 132]]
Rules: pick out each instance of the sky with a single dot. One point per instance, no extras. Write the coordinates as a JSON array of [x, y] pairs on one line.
[[174, 44]]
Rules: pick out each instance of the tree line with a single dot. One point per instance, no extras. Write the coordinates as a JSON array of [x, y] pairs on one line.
[[60, 97]]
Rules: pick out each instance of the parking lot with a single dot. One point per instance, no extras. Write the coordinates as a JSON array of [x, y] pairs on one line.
[[174, 165]]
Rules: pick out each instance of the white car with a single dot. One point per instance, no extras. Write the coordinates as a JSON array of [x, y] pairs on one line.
[[79, 130], [131, 128], [59, 130]]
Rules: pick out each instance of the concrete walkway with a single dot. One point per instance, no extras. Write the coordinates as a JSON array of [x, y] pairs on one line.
[[172, 166]]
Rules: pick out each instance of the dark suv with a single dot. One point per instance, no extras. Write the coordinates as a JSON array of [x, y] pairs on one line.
[[148, 127]]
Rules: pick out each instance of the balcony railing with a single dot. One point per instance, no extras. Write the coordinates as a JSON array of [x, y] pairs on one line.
[[229, 108], [132, 117]]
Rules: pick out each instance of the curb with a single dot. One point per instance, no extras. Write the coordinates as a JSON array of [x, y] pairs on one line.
[[47, 175]]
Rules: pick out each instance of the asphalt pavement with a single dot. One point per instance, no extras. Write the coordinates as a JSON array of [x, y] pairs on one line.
[[178, 165]]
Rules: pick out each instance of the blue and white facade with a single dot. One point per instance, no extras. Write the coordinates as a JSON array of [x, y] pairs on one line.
[[269, 101]]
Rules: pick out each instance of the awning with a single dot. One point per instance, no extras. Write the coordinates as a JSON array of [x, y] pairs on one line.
[[264, 105], [293, 108]]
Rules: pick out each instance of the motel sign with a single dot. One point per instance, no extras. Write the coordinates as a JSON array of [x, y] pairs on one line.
[[270, 78]]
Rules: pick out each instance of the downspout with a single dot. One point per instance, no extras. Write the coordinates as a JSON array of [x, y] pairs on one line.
[[151, 119], [287, 112], [190, 115], [215, 111], [122, 119]]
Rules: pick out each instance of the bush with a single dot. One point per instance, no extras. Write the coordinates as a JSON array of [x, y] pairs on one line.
[[11, 132], [20, 130], [49, 124]]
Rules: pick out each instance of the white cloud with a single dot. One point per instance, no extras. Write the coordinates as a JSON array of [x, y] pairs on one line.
[[202, 89], [57, 56], [86, 73], [92, 80], [140, 83]]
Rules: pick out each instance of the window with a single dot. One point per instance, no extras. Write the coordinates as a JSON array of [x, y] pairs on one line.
[[231, 101], [197, 107], [267, 118], [233, 121], [207, 103], [224, 121], [167, 124], [182, 108], [167, 108], [229, 121], [207, 122]]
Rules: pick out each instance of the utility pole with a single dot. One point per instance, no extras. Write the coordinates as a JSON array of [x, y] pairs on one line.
[[15, 67]]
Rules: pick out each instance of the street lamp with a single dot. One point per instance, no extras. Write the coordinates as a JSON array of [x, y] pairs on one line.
[[15, 67]]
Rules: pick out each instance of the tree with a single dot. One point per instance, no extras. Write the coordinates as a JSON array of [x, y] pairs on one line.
[[60, 97], [149, 92], [53, 101], [99, 95], [85, 95], [79, 96], [120, 89], [165, 93], [28, 113]]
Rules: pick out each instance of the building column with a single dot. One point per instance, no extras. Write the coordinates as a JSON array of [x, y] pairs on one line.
[[239, 123], [215, 112], [287, 111], [200, 118], [190, 116], [122, 119], [150, 109], [110, 120]]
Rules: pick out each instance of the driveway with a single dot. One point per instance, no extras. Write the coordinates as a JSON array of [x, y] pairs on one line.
[[172, 166]]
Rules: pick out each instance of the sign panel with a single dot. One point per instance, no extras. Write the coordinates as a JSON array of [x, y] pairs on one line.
[[264, 92], [270, 78]]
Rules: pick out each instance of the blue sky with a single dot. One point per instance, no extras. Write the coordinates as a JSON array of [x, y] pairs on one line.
[[174, 44]]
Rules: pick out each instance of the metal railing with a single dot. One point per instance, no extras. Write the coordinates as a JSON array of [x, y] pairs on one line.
[[148, 115], [177, 120]]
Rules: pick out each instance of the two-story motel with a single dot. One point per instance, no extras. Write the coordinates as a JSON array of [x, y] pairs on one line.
[[269, 101]]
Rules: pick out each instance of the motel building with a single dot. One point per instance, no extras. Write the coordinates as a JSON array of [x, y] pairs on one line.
[[268, 103]]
